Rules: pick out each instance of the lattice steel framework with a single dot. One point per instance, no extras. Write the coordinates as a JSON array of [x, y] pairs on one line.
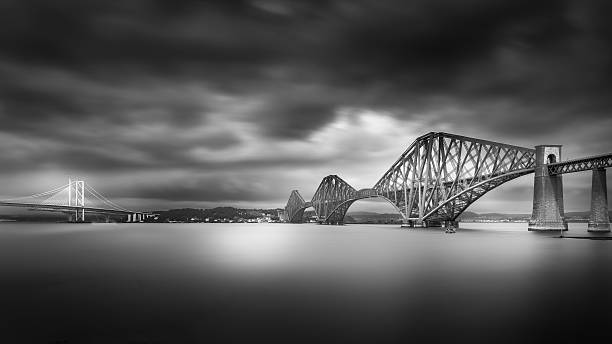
[[583, 164], [332, 199], [330, 202], [436, 178], [441, 174], [294, 210]]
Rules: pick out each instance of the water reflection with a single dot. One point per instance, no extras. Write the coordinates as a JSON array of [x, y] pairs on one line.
[[171, 283], [251, 246]]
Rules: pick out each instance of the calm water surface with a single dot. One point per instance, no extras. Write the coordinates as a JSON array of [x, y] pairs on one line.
[[196, 283]]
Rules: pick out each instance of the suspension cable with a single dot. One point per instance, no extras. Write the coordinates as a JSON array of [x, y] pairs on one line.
[[40, 194], [105, 199]]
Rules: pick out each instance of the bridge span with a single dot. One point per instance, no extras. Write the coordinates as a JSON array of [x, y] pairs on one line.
[[440, 175], [73, 199]]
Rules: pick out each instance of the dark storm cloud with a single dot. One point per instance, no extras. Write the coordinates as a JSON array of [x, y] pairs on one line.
[[425, 47], [295, 120], [141, 85], [205, 190]]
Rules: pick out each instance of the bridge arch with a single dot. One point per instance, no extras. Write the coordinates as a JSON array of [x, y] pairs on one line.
[[296, 205], [436, 178], [441, 174], [339, 213], [468, 196]]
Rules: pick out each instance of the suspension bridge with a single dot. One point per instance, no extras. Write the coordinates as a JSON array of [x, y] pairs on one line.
[[440, 175], [75, 199]]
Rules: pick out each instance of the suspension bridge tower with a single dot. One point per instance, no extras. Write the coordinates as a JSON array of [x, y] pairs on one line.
[[76, 199]]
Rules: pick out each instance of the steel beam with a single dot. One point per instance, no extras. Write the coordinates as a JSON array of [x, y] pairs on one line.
[[294, 210], [582, 164], [441, 174]]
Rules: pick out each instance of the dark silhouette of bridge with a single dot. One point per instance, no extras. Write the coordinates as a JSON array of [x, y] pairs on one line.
[[440, 175]]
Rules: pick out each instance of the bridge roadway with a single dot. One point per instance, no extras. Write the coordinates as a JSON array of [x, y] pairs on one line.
[[67, 209], [582, 164], [441, 174]]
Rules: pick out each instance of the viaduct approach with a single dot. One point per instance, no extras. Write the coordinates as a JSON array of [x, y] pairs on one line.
[[440, 175]]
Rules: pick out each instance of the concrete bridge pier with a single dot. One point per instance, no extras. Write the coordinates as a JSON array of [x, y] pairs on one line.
[[417, 223], [135, 217], [76, 216], [432, 223], [548, 213], [599, 220], [425, 223], [408, 224], [451, 224]]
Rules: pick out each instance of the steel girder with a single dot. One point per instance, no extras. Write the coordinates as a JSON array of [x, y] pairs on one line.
[[332, 199], [436, 178], [461, 200], [441, 174], [584, 164], [294, 210]]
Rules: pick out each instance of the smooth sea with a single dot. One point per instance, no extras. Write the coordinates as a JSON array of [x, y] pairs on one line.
[[288, 283]]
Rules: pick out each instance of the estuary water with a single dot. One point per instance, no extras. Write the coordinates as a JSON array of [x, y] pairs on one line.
[[197, 283]]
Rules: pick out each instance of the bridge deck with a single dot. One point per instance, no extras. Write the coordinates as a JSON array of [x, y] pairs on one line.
[[65, 208], [581, 164]]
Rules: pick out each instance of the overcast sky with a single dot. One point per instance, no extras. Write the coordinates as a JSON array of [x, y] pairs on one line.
[[206, 103]]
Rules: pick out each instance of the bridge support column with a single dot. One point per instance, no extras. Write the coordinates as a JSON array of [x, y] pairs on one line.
[[414, 224], [451, 224], [407, 224], [432, 223], [548, 213], [422, 224], [80, 215], [599, 221]]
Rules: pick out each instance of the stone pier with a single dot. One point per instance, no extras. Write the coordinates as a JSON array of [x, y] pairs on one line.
[[451, 224], [548, 213], [599, 220], [427, 224]]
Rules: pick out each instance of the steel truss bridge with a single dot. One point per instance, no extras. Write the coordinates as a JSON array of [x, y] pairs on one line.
[[437, 178], [75, 199]]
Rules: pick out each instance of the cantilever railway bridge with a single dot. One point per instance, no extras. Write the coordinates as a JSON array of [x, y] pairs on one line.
[[440, 175], [75, 199]]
